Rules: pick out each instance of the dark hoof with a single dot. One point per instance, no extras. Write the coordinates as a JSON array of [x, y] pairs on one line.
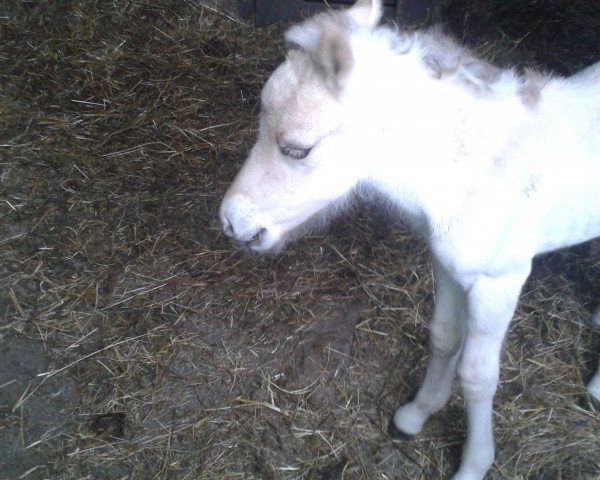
[[396, 434]]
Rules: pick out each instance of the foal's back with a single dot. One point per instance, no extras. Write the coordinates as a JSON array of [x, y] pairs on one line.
[[568, 153]]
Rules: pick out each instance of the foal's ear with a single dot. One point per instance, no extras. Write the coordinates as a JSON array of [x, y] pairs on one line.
[[366, 12], [334, 57], [327, 45], [325, 39], [329, 49]]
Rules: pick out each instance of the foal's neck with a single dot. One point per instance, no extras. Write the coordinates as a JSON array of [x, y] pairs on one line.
[[440, 137]]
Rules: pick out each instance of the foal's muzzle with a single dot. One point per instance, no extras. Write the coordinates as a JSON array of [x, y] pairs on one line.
[[239, 242], [242, 224]]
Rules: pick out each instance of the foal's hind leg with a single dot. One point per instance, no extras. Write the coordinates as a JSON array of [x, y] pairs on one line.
[[596, 317], [594, 388], [446, 338], [594, 385]]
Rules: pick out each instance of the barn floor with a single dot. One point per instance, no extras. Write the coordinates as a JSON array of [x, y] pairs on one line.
[[136, 343]]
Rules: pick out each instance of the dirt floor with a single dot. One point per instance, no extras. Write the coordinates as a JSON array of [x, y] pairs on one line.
[[136, 343]]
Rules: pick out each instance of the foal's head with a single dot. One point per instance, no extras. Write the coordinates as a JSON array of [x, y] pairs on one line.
[[308, 156]]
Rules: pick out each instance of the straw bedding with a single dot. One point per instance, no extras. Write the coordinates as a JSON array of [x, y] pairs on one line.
[[136, 343]]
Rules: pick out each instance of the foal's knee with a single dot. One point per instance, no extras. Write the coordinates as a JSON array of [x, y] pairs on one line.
[[445, 340], [477, 375]]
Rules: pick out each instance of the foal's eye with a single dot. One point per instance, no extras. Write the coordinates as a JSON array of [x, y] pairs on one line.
[[296, 153]]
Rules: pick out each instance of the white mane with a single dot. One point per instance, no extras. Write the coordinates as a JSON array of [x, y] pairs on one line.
[[439, 53]]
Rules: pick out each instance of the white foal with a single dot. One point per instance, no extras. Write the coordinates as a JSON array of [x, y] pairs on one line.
[[489, 166]]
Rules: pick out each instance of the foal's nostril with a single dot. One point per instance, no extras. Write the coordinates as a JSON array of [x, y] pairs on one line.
[[228, 228], [257, 237]]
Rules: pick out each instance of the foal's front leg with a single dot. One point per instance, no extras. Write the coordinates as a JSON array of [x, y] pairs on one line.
[[446, 339], [491, 302]]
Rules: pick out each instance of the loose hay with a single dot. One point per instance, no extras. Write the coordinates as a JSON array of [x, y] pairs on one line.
[[137, 344]]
